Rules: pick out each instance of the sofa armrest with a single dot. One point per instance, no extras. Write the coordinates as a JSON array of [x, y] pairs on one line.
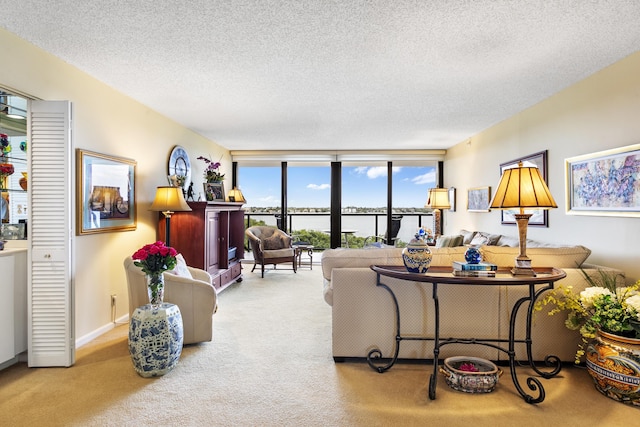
[[199, 274], [197, 301]]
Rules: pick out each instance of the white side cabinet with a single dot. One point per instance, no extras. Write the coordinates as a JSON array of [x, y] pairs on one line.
[[13, 305]]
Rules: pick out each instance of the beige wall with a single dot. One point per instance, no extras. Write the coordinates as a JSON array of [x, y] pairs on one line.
[[599, 113], [107, 122]]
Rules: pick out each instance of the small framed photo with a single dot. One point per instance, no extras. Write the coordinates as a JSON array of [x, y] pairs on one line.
[[604, 183], [539, 217], [214, 191], [452, 199], [106, 193], [478, 199]]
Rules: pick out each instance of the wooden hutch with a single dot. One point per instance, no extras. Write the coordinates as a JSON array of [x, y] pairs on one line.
[[210, 237]]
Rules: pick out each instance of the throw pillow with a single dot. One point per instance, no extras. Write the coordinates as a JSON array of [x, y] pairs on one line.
[[479, 240], [449, 241], [467, 236], [271, 243], [181, 268]]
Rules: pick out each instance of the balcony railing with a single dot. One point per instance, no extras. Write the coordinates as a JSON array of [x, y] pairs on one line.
[[362, 224]]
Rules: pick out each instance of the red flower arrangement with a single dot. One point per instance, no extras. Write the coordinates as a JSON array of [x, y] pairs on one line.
[[6, 169], [155, 258], [468, 367]]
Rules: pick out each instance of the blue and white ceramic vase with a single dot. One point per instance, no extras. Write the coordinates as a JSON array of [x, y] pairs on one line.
[[473, 255], [156, 336], [417, 256]]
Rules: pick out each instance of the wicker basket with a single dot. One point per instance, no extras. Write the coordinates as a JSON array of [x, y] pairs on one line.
[[484, 380]]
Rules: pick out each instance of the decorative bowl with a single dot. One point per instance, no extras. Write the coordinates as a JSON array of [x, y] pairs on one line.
[[470, 374]]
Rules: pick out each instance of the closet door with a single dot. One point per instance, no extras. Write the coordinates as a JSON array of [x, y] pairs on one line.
[[50, 293]]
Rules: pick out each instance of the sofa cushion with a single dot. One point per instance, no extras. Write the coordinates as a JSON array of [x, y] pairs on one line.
[[345, 257], [273, 242], [467, 236], [449, 241], [560, 257], [508, 241], [491, 239]]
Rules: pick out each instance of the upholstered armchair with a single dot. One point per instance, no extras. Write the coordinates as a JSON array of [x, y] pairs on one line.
[[270, 245], [195, 296]]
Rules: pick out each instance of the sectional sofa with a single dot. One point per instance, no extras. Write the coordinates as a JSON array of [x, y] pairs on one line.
[[363, 317]]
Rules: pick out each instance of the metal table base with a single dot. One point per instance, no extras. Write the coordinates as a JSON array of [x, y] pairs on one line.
[[442, 276]]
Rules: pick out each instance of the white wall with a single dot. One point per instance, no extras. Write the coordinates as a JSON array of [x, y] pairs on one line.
[[599, 113], [107, 122]]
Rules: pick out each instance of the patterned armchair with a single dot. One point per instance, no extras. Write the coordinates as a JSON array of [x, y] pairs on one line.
[[270, 245]]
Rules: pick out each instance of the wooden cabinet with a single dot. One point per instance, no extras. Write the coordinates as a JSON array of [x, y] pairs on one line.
[[13, 305], [210, 237]]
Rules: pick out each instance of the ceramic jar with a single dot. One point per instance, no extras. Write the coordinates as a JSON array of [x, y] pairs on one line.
[[417, 256], [614, 365], [470, 374]]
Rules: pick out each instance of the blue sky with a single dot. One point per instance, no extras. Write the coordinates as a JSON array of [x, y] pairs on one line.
[[362, 186]]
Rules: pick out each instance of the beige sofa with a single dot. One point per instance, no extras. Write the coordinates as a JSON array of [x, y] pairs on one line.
[[363, 317]]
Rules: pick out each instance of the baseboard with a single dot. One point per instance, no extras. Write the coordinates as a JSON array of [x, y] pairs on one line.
[[85, 339]]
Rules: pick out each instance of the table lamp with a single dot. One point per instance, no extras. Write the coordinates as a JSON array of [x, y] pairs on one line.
[[236, 195], [438, 199], [522, 188], [169, 200]]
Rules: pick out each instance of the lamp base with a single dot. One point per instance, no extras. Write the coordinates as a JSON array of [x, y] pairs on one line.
[[520, 271]]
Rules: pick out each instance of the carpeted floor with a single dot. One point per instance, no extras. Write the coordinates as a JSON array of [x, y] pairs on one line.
[[270, 364]]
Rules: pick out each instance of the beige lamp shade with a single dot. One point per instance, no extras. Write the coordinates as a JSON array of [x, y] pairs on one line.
[[523, 188], [169, 199], [236, 195], [438, 199]]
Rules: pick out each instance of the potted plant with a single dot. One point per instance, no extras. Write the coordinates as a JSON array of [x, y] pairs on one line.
[[211, 173], [608, 318]]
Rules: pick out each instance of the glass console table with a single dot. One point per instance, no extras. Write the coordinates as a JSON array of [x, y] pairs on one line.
[[544, 280]]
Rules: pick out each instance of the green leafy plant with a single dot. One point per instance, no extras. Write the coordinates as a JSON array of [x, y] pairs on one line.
[[601, 306]]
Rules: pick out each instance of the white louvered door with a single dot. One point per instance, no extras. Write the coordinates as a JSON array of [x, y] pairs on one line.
[[51, 301]]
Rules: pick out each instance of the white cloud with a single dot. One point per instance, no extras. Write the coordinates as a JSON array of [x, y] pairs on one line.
[[360, 170], [319, 186], [427, 178], [380, 171]]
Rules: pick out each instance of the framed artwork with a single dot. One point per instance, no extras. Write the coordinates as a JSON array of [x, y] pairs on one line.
[[452, 199], [604, 183], [478, 199], [214, 191], [106, 198], [539, 217]]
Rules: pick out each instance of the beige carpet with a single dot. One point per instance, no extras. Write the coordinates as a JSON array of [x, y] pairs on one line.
[[270, 365]]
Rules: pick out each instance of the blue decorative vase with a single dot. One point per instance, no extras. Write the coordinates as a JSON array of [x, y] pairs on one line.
[[472, 255], [417, 256]]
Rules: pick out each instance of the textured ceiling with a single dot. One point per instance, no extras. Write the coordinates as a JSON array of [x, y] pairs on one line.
[[351, 74]]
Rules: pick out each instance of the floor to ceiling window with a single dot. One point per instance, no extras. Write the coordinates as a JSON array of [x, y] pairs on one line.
[[261, 187], [308, 201], [363, 195], [411, 184], [364, 200]]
